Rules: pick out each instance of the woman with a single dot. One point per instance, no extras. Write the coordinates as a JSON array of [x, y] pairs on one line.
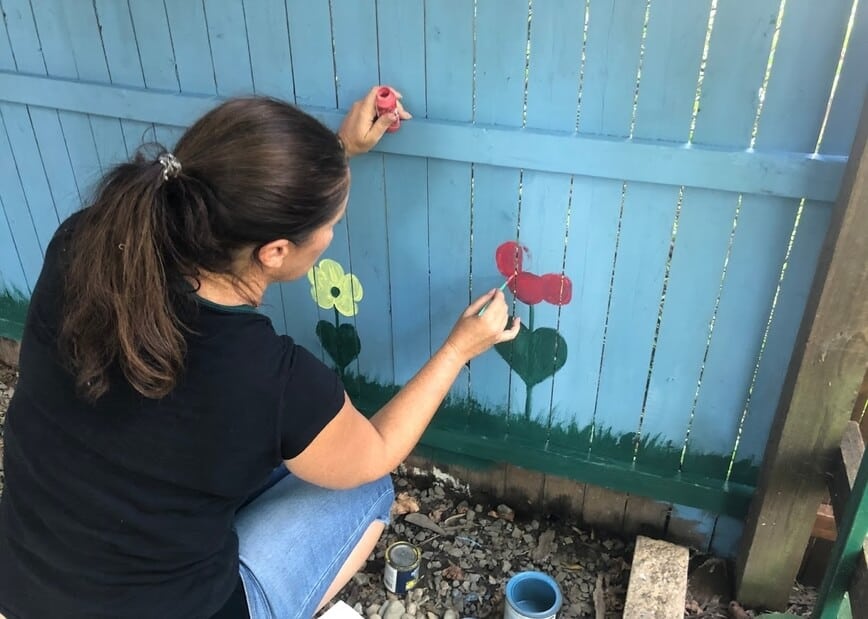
[[154, 402]]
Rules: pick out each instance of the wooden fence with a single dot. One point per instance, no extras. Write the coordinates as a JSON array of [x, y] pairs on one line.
[[675, 160]]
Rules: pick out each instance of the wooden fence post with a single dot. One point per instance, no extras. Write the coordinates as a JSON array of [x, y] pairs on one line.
[[823, 380]]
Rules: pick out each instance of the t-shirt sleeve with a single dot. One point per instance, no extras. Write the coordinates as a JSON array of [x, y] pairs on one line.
[[313, 395]]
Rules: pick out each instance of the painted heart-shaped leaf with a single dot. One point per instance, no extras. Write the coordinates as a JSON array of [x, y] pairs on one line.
[[534, 355], [341, 343]]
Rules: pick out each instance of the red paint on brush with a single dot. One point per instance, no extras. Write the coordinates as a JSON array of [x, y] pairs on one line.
[[387, 103]]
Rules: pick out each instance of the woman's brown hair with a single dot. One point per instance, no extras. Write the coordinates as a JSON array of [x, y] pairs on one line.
[[253, 170]]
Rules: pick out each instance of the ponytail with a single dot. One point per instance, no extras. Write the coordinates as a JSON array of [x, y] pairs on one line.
[[118, 306]]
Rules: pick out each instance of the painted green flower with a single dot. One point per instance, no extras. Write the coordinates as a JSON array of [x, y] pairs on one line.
[[331, 288]]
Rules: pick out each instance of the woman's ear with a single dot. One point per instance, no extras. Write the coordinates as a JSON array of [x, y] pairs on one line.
[[276, 254]]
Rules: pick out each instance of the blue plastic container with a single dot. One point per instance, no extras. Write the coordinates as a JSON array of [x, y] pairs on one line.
[[532, 595]]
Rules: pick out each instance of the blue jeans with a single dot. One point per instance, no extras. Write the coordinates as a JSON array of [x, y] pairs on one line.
[[294, 537]]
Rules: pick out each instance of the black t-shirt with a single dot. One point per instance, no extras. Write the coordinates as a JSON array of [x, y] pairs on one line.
[[125, 508]]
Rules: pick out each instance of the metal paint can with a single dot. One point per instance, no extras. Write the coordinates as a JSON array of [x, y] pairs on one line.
[[402, 567]]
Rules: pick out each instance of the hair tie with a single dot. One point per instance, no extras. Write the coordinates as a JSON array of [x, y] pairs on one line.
[[171, 166]]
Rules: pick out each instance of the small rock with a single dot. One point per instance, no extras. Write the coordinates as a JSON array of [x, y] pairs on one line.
[[545, 547], [412, 608], [372, 610], [450, 614], [478, 508], [506, 512], [358, 607], [395, 610], [506, 567], [408, 616], [361, 579], [431, 615], [375, 616]]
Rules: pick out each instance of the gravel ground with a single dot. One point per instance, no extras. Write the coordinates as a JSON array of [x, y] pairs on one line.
[[471, 545]]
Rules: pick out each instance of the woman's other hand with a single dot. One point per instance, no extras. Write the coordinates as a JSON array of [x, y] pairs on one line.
[[362, 129]]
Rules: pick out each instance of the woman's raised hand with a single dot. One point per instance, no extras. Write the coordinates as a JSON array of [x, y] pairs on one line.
[[362, 129]]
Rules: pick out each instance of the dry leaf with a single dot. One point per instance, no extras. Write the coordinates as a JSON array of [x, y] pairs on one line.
[[453, 572], [573, 567], [404, 504]]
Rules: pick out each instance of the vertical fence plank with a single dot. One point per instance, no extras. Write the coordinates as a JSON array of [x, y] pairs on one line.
[[16, 210], [122, 59], [672, 53], [310, 42], [555, 64], [501, 43], [45, 124], [793, 112], [56, 46], [449, 91], [737, 59], [13, 281], [614, 40], [737, 55], [362, 243], [593, 232], [552, 99], [268, 42], [401, 45], [292, 310], [313, 84], [852, 82], [614, 32], [665, 110], [89, 57], [157, 54], [192, 51], [28, 226]]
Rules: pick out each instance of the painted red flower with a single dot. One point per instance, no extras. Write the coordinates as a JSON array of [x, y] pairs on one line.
[[509, 258], [526, 286]]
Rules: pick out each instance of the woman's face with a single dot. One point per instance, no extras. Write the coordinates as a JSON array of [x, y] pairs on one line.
[[306, 254]]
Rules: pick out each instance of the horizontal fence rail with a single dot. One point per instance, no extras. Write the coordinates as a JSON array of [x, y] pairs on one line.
[[792, 175]]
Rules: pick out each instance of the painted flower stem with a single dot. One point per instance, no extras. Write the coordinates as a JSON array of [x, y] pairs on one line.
[[528, 388]]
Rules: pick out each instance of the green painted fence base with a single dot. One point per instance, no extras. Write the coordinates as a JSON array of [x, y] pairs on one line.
[[466, 430], [13, 311]]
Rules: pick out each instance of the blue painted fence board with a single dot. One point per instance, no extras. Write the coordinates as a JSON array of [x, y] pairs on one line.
[[852, 85], [361, 244], [501, 45], [123, 62], [612, 61], [449, 90]]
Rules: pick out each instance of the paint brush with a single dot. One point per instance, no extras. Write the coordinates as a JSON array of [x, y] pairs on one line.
[[502, 288]]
